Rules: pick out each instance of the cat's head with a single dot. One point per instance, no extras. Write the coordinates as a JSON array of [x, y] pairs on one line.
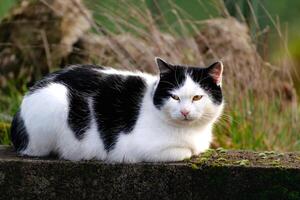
[[189, 95]]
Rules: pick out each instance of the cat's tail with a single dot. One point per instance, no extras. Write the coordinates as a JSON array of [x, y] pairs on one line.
[[18, 133]]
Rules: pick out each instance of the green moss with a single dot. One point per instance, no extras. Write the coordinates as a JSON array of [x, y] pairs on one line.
[[243, 162], [204, 158], [275, 162], [222, 160], [201, 160], [229, 158], [208, 153], [221, 150], [194, 166], [270, 152], [262, 155]]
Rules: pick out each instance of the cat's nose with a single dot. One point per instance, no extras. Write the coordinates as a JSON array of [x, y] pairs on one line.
[[184, 112]]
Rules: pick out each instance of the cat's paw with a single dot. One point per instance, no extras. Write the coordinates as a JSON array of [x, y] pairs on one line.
[[173, 154], [182, 153]]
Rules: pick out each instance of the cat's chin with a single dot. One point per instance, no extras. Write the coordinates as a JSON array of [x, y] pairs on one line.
[[184, 122]]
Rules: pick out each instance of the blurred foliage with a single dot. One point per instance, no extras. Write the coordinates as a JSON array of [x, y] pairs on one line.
[[5, 6], [286, 11], [161, 10], [250, 123]]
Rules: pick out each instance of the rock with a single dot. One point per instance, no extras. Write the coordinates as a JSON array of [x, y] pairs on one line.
[[245, 73], [36, 35], [216, 174]]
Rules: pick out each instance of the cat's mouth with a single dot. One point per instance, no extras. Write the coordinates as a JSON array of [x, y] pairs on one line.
[[186, 120]]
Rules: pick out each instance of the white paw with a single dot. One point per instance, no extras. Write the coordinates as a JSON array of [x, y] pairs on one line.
[[174, 154]]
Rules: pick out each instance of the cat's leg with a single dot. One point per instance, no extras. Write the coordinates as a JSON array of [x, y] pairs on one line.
[[68, 146], [132, 149], [169, 154], [92, 146], [44, 112], [202, 142], [165, 155]]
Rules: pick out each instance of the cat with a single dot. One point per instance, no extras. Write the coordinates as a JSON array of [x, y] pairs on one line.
[[88, 112]]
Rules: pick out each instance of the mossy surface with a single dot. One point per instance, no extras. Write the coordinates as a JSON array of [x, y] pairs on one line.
[[216, 174], [267, 159]]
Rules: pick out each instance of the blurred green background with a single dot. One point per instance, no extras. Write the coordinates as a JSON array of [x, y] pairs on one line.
[[248, 124], [268, 14]]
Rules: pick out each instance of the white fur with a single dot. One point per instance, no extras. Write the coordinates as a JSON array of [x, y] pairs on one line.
[[159, 135], [45, 114]]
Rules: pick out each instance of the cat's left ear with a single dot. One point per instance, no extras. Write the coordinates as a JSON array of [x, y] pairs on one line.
[[163, 66], [216, 71]]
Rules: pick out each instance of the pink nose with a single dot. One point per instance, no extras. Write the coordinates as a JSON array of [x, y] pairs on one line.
[[185, 112]]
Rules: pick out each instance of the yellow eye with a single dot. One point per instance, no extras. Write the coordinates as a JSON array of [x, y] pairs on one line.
[[175, 97], [197, 97]]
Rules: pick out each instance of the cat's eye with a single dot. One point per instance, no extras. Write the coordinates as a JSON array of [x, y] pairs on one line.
[[175, 97], [197, 97]]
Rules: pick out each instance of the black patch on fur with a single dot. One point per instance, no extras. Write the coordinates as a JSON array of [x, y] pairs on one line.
[[82, 82], [44, 82], [168, 82], [79, 117], [201, 76], [176, 77], [18, 133], [75, 76], [117, 106], [116, 100]]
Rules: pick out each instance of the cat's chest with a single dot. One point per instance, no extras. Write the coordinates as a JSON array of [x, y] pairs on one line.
[[193, 139]]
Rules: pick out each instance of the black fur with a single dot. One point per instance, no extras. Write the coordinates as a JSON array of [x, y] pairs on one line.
[[79, 117], [18, 133], [82, 82], [117, 106], [116, 100], [168, 81], [201, 76], [175, 77], [76, 76]]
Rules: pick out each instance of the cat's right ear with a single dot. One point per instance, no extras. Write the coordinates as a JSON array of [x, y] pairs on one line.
[[215, 71], [163, 66]]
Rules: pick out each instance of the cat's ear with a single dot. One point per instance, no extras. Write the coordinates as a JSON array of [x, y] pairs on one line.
[[163, 66], [216, 71]]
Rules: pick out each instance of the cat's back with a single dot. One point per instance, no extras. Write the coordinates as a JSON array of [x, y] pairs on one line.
[[78, 99], [89, 79]]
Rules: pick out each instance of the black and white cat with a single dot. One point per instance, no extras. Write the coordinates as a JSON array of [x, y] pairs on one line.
[[91, 112]]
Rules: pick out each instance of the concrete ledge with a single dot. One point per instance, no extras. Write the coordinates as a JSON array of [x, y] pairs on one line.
[[217, 174]]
